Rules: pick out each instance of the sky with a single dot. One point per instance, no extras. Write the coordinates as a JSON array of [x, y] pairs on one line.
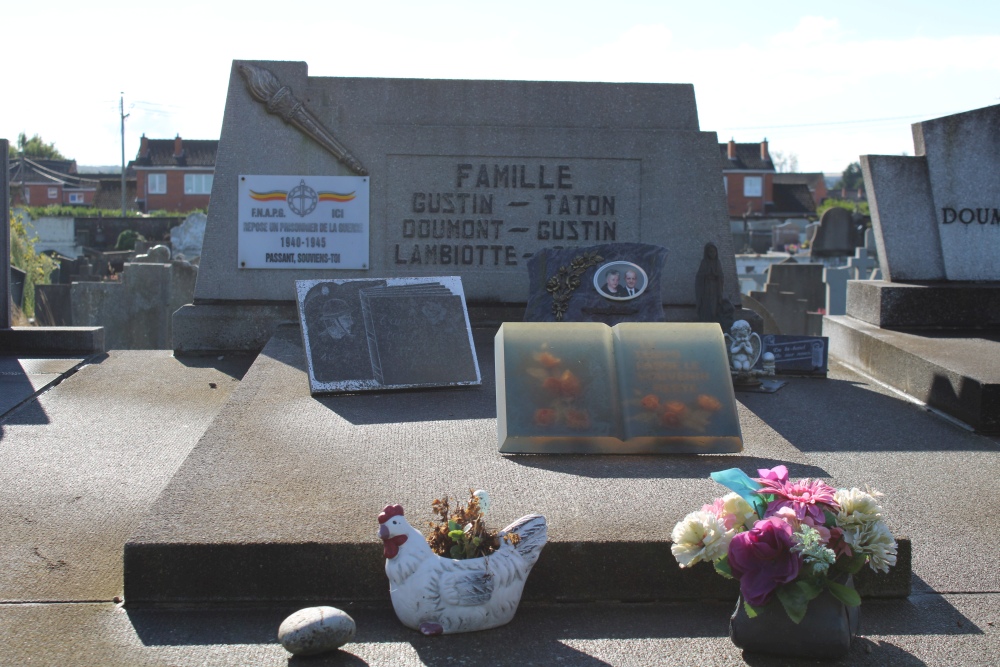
[[823, 82]]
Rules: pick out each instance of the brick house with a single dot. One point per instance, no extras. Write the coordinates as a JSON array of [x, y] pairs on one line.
[[748, 176], [174, 174], [815, 183], [44, 182]]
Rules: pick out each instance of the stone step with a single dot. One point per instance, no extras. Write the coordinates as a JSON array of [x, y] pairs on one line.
[[954, 371], [278, 501]]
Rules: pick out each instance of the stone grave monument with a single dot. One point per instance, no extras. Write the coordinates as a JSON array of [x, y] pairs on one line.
[[785, 234], [464, 178], [930, 326], [835, 235]]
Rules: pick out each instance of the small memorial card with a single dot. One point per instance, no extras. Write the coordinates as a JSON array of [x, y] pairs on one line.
[[391, 333], [635, 388], [798, 355]]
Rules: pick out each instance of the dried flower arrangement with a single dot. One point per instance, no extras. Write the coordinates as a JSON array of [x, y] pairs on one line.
[[461, 532]]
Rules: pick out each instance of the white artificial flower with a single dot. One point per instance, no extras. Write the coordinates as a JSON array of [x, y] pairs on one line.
[[881, 548], [737, 513], [699, 536], [874, 540], [856, 508]]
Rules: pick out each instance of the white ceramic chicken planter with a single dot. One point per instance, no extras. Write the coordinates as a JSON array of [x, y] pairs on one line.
[[438, 595]]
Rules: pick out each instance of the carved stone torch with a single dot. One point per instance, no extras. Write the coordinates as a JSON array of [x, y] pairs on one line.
[[278, 99]]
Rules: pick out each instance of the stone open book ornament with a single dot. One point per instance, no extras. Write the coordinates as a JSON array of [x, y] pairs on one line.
[[635, 388]]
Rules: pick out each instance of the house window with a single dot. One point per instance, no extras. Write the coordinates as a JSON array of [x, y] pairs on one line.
[[197, 184], [75, 198], [53, 193], [752, 186], [156, 184]]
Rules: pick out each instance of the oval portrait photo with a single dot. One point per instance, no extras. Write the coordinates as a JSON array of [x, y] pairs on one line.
[[620, 280]]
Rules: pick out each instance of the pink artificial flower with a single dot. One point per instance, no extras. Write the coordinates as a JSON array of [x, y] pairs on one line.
[[837, 542], [762, 559], [715, 508], [808, 498], [776, 474]]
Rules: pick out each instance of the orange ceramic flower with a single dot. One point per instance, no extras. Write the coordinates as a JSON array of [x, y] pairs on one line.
[[676, 406], [670, 419], [570, 384], [710, 403], [548, 359], [552, 385], [545, 417], [650, 402], [577, 420]]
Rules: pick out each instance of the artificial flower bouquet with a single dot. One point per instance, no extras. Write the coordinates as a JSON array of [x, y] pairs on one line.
[[784, 539]]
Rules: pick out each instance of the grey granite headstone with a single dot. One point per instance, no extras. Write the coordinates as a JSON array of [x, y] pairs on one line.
[[805, 280], [470, 178], [571, 284], [784, 235], [835, 235], [392, 333], [937, 215]]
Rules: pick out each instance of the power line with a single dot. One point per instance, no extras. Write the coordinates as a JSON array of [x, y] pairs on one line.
[[839, 122]]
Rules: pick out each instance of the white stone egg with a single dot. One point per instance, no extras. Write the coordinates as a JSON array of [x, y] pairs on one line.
[[316, 630]]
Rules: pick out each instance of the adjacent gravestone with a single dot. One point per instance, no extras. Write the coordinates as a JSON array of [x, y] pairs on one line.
[[835, 235], [391, 333], [605, 283], [785, 235], [936, 221], [467, 178], [187, 238], [809, 232], [805, 280], [636, 388], [937, 215]]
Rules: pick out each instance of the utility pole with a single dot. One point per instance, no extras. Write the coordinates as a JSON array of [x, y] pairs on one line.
[[121, 111]]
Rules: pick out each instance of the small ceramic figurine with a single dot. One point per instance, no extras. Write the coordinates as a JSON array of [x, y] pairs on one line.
[[744, 350], [438, 595]]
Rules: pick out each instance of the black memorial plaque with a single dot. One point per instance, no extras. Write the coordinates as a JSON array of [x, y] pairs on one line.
[[394, 333]]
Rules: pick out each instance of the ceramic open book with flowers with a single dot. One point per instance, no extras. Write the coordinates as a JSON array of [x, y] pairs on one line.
[[785, 540]]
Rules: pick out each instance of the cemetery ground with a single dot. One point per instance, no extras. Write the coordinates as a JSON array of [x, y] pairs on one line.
[[175, 455]]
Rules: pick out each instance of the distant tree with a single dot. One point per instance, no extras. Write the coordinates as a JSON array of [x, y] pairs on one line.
[[127, 239], [785, 164], [37, 267], [853, 206], [852, 178], [35, 147]]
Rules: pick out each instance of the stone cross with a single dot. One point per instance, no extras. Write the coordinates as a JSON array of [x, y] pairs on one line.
[[836, 289], [861, 264]]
